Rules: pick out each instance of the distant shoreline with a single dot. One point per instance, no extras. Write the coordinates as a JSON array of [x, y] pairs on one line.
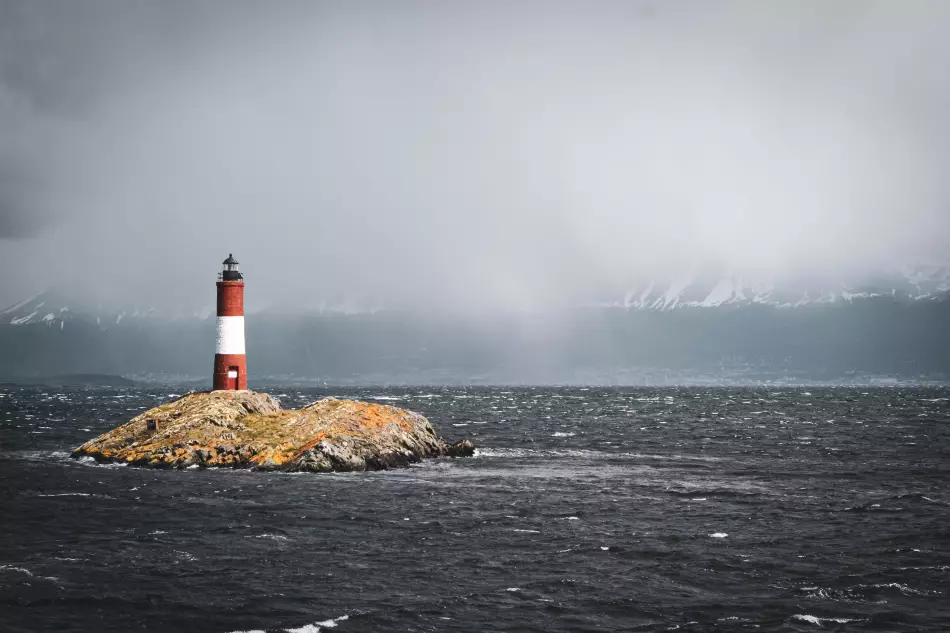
[[70, 380]]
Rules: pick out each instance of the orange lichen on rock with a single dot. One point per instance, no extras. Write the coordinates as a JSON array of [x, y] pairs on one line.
[[248, 429]]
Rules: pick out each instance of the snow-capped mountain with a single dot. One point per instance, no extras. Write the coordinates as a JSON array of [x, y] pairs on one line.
[[921, 282], [55, 309], [694, 290], [28, 311], [894, 325]]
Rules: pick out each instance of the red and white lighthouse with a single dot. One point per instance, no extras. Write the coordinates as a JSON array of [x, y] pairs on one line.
[[230, 363]]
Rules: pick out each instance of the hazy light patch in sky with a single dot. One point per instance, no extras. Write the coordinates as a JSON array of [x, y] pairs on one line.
[[459, 154]]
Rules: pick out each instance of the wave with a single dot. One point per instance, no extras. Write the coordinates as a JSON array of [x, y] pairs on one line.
[[870, 506], [904, 589], [921, 497], [714, 489], [873, 507], [86, 460], [272, 537], [862, 592], [316, 627], [500, 451], [27, 572], [813, 619]]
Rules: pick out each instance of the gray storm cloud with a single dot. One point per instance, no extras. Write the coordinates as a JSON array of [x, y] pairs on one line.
[[466, 153]]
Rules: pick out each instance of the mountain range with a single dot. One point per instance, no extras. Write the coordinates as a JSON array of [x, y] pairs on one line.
[[909, 283], [700, 327], [919, 282]]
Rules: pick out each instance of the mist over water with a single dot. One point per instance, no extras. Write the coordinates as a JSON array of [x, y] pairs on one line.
[[465, 155]]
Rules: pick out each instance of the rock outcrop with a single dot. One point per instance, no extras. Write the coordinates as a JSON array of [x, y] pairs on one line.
[[244, 429]]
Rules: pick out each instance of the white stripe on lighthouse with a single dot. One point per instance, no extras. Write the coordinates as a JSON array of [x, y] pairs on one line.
[[230, 336]]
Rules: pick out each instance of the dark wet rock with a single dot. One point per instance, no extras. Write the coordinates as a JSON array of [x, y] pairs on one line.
[[463, 448]]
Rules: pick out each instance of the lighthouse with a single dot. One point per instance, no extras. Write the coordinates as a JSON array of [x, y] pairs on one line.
[[230, 363]]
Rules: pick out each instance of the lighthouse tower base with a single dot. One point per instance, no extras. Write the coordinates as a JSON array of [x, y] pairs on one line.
[[230, 372]]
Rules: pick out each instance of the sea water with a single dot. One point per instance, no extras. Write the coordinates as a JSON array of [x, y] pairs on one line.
[[584, 509]]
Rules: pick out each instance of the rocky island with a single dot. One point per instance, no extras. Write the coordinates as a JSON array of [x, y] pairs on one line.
[[245, 429]]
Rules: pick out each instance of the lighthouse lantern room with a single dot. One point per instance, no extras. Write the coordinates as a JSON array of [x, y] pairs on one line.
[[230, 362]]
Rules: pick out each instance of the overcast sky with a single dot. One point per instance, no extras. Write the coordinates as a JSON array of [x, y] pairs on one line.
[[450, 153]]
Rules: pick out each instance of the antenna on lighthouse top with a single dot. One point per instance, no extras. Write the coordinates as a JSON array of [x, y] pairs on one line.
[[231, 272]]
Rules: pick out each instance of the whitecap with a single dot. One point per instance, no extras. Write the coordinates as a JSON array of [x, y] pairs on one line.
[[811, 619], [66, 494], [332, 623], [904, 589], [718, 535], [315, 628], [91, 461], [273, 537], [808, 618], [563, 434], [528, 531], [502, 452], [24, 570], [513, 589]]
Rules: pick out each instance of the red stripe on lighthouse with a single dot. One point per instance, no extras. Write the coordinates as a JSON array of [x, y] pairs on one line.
[[230, 298]]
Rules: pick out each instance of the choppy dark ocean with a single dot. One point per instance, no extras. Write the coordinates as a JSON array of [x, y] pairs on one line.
[[584, 510]]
